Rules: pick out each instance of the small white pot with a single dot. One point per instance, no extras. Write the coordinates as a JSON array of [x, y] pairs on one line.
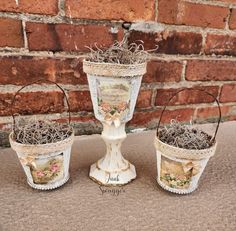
[[45, 165], [178, 169]]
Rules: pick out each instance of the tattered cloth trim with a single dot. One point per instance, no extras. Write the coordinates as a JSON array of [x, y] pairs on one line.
[[114, 69], [181, 153], [41, 149]]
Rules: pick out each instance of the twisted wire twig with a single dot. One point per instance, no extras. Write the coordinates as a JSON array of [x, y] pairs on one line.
[[120, 52], [33, 131], [184, 136]]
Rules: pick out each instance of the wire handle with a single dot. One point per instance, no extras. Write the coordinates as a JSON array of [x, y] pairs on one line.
[[37, 81], [202, 90]]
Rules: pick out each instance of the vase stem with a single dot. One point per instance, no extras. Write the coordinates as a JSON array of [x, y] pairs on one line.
[[113, 169]]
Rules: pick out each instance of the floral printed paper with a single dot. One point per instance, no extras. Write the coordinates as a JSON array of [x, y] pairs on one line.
[[113, 100], [178, 174], [47, 170]]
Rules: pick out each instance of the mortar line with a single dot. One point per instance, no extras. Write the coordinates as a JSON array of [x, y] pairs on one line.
[[194, 116], [153, 99], [155, 27], [8, 88], [156, 10], [43, 88], [65, 20], [61, 7], [58, 19], [204, 35], [79, 55], [211, 3], [228, 18], [219, 91], [25, 35], [9, 51], [184, 66], [184, 84], [145, 86], [8, 119], [188, 106], [179, 57]]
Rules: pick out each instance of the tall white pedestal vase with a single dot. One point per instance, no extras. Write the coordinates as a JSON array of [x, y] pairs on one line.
[[114, 89]]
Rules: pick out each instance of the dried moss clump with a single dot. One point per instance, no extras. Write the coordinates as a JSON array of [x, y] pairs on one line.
[[32, 131], [120, 53], [185, 136]]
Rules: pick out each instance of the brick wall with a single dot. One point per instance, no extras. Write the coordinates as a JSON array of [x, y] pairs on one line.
[[46, 39]]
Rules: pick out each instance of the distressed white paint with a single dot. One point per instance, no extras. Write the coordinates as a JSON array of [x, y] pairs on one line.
[[113, 169], [194, 179]]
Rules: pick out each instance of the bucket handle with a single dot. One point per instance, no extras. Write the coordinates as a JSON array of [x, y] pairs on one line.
[[189, 89], [37, 81]]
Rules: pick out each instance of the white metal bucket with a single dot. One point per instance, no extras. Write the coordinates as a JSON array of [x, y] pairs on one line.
[[178, 169], [45, 165]]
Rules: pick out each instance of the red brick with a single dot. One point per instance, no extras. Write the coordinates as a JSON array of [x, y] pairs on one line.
[[131, 10], [80, 101], [67, 37], [144, 118], [163, 71], [26, 69], [85, 118], [85, 124], [32, 103], [67, 71], [228, 93], [227, 1], [212, 112], [144, 99], [170, 42], [232, 21], [210, 70], [150, 117], [30, 6], [187, 13], [220, 44], [230, 118], [168, 11], [50, 39], [182, 115], [11, 34], [186, 97], [202, 15]]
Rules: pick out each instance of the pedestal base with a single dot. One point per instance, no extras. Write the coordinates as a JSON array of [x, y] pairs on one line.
[[118, 178]]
